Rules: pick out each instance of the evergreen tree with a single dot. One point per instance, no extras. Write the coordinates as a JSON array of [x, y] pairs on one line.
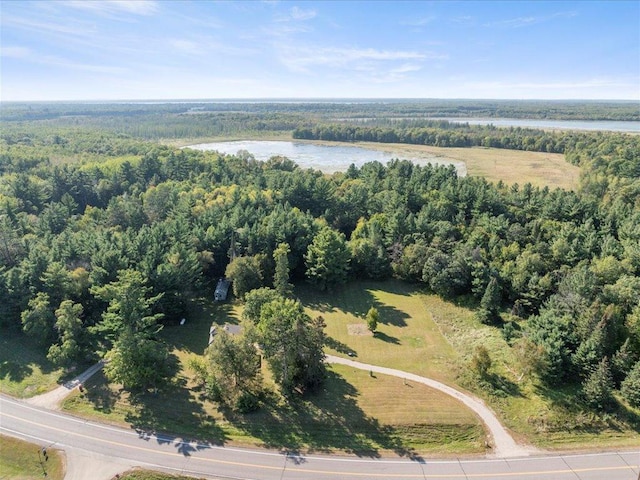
[[69, 326], [327, 259], [38, 320], [281, 274], [631, 386], [372, 319], [597, 389]]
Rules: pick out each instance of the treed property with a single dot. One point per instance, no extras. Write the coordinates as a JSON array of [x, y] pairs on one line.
[[105, 238]]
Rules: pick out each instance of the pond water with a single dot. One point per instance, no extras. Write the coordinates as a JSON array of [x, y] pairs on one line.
[[327, 158]]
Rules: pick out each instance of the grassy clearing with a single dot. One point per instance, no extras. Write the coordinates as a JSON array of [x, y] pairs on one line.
[[511, 166], [407, 338], [25, 370], [357, 413], [354, 412], [19, 460], [548, 418]]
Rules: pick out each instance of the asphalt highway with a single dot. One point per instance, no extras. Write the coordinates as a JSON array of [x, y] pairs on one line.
[[55, 429]]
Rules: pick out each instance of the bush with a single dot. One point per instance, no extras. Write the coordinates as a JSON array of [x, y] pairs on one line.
[[246, 403]]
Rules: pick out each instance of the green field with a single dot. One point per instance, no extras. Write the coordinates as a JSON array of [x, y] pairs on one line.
[[407, 338], [21, 460], [354, 413]]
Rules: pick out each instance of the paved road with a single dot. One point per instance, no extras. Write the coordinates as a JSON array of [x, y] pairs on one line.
[[504, 446], [55, 429]]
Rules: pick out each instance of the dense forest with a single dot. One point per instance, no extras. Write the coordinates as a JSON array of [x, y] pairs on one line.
[[105, 236]]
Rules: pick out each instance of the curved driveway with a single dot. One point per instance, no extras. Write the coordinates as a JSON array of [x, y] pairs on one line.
[[503, 444], [176, 454]]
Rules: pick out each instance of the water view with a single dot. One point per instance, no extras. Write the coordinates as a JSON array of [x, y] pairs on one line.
[[327, 158], [592, 125]]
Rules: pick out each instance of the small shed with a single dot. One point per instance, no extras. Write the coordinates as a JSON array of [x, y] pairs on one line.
[[222, 290]]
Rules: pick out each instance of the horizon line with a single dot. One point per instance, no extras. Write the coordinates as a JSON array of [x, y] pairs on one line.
[[320, 99]]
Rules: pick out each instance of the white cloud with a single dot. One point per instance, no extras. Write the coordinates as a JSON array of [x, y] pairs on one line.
[[28, 55], [114, 7], [186, 46], [463, 20], [300, 14], [300, 58], [297, 14], [530, 20], [418, 22], [70, 28], [591, 83]]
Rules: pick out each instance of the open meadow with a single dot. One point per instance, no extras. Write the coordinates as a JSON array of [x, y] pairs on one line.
[[541, 169]]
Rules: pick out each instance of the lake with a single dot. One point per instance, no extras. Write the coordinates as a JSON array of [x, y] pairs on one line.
[[326, 158], [592, 125]]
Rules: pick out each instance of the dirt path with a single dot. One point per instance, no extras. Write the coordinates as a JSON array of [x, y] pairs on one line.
[[54, 398], [503, 443]]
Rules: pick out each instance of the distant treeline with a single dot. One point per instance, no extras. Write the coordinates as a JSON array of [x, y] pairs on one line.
[[578, 147], [337, 109]]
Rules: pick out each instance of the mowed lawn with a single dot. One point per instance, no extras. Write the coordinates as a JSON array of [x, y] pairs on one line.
[[24, 368], [407, 338], [353, 413], [22, 460]]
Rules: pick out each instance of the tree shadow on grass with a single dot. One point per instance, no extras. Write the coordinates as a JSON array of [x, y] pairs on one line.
[[339, 346], [19, 354], [174, 409], [356, 299], [193, 336], [391, 315], [386, 338], [98, 392], [14, 371], [326, 421], [501, 386]]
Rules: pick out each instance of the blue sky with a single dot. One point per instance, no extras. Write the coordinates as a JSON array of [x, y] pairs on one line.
[[145, 49]]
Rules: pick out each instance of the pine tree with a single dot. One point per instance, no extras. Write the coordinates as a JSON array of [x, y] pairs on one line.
[[327, 259], [372, 319], [631, 386], [281, 274], [598, 387]]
